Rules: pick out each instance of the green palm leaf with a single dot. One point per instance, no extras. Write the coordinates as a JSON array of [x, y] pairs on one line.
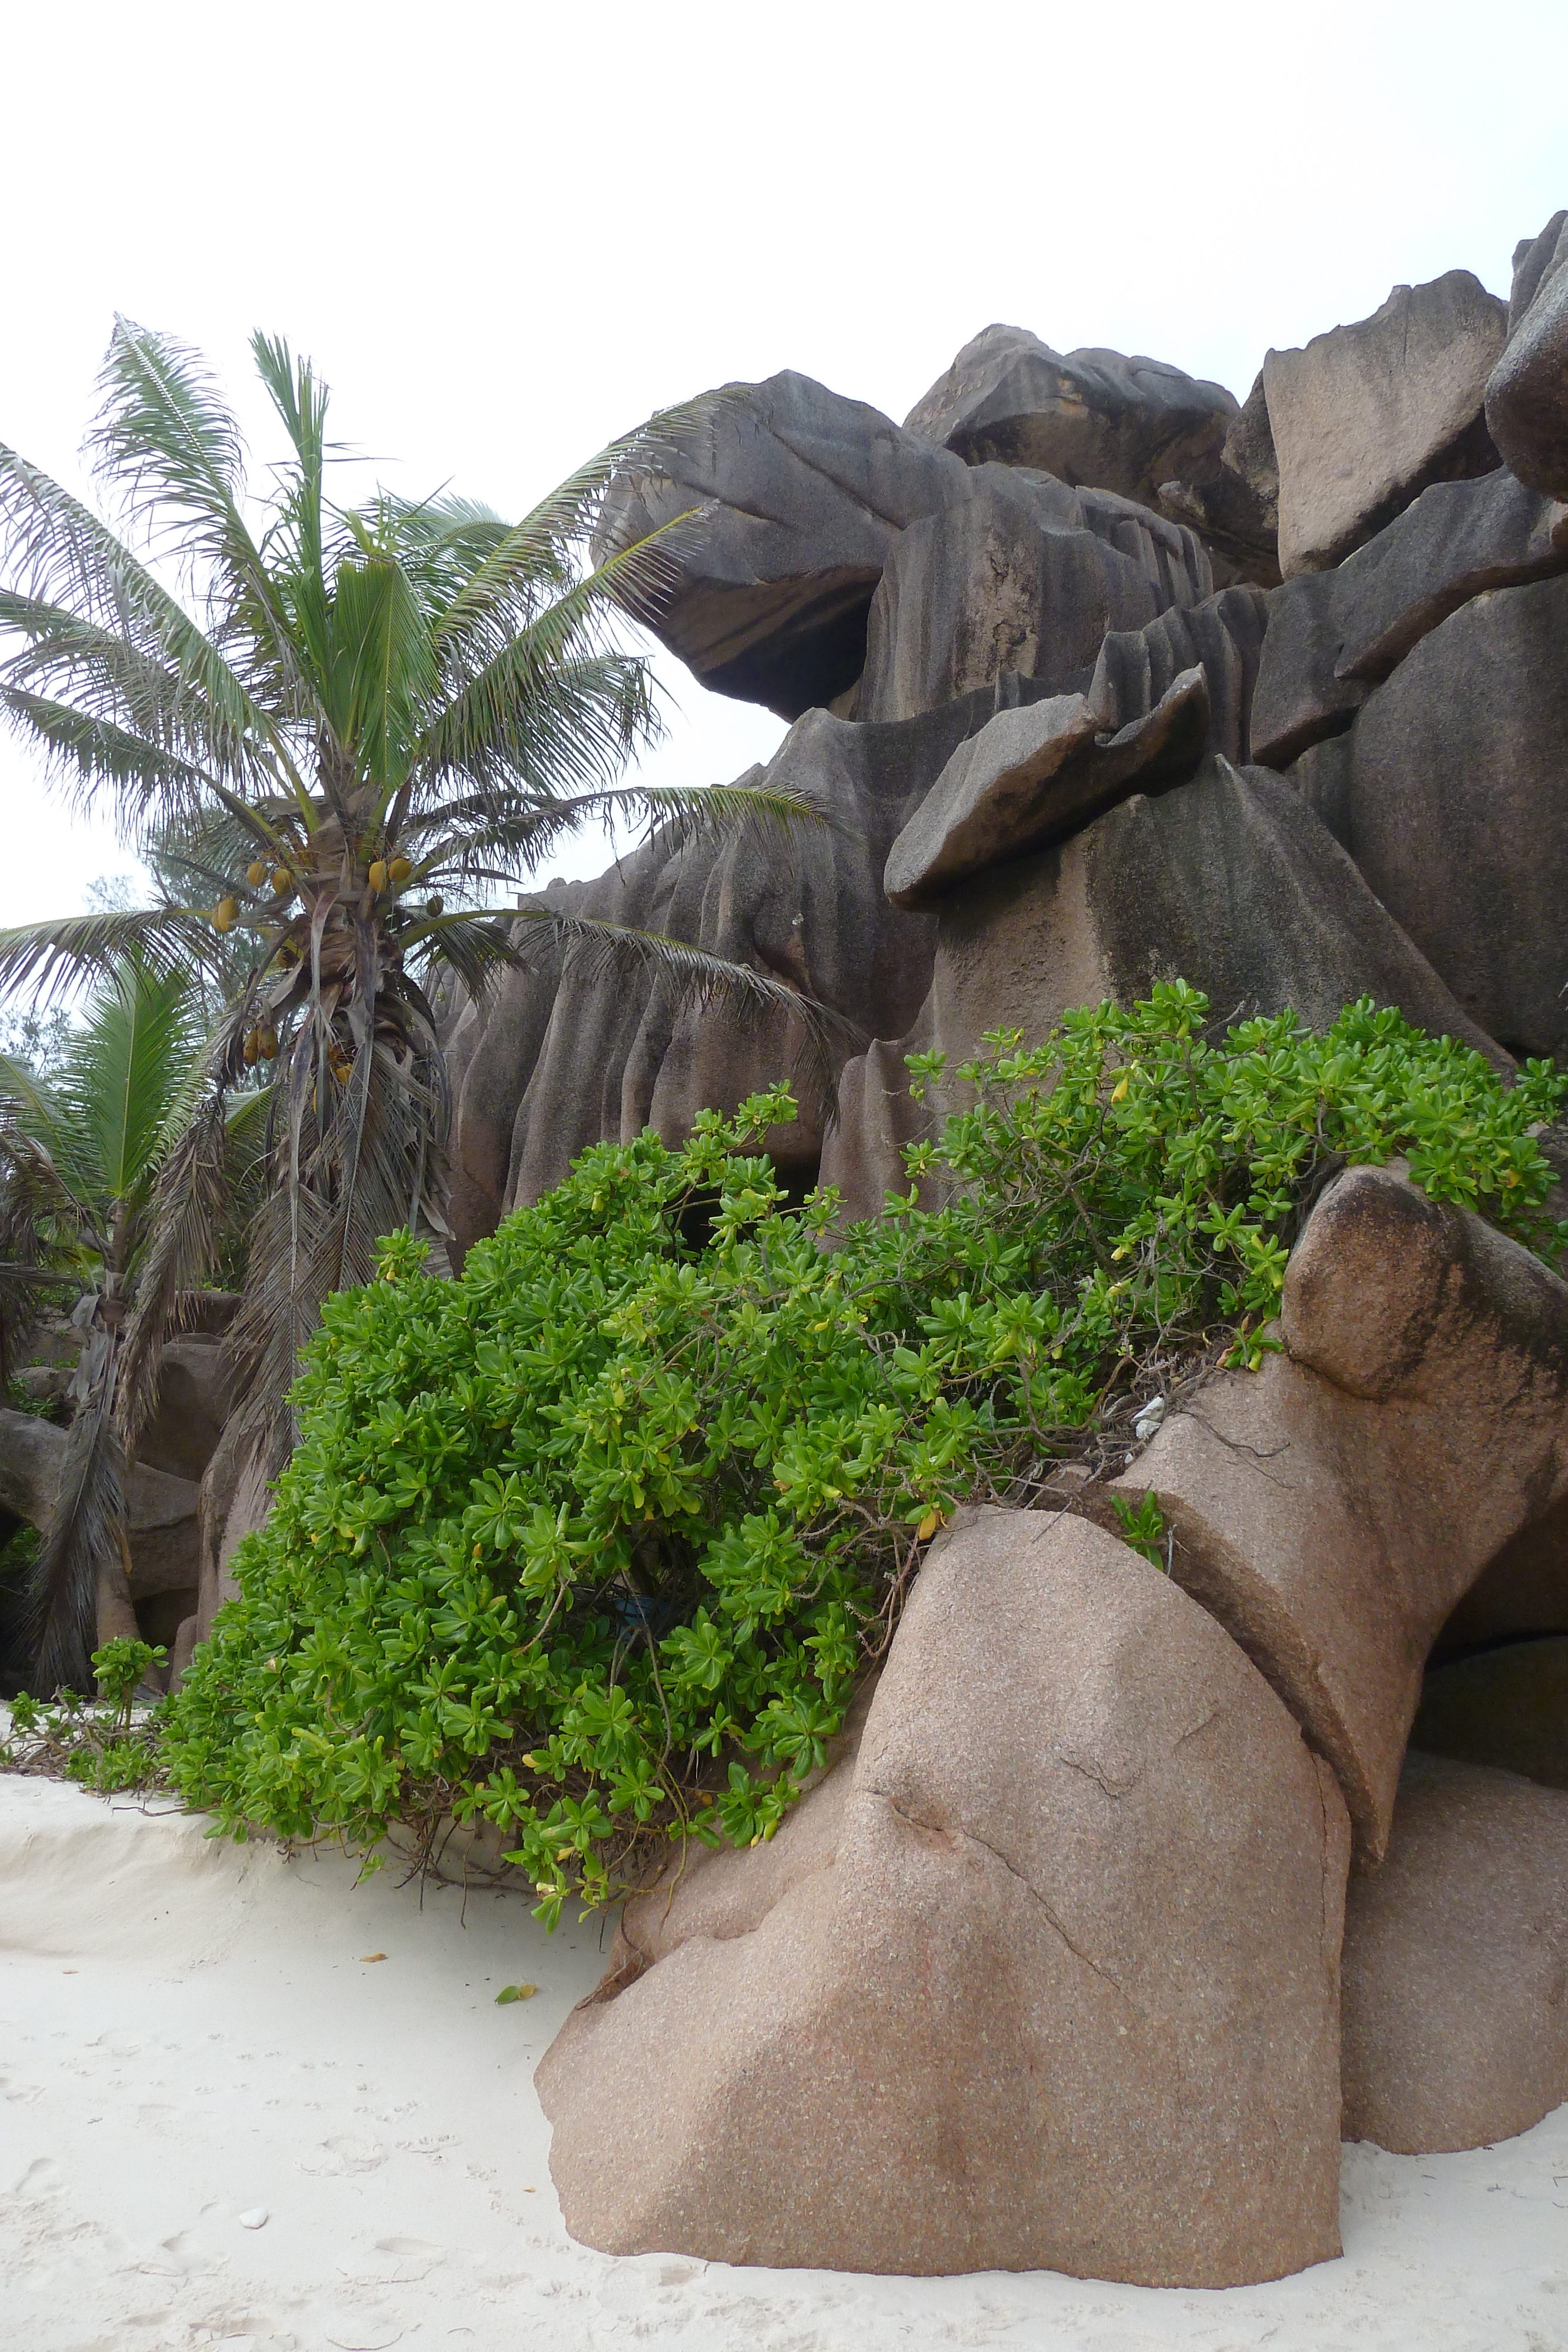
[[339, 713], [48, 958], [56, 551], [123, 1071]]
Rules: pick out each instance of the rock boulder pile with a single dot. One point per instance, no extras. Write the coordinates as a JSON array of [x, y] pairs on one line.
[[1132, 1886], [1128, 1892], [1291, 790], [1046, 1970]]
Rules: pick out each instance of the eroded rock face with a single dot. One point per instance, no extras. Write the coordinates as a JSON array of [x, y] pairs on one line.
[[1527, 395], [1455, 1953], [1228, 880], [1332, 1508], [572, 1052], [1036, 775], [1223, 637], [802, 494], [1332, 636], [194, 1394], [1366, 416], [1062, 1996], [1157, 699], [1459, 808], [1235, 507], [1018, 573], [161, 1511], [1093, 417]]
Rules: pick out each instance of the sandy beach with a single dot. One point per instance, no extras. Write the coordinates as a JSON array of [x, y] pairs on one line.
[[191, 2038]]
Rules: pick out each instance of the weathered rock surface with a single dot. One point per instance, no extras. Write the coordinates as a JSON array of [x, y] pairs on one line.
[[1507, 1707], [1323, 777], [1228, 880], [1235, 508], [1332, 1508], [802, 494], [1047, 1977], [1456, 1955], [1093, 417], [194, 1396], [1459, 808], [1223, 637], [1299, 698], [1036, 775], [797, 502], [161, 1511], [568, 1054], [1527, 394], [1331, 636], [1019, 573], [1366, 416]]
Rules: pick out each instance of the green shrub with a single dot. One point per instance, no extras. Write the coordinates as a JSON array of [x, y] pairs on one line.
[[99, 1744], [595, 1541]]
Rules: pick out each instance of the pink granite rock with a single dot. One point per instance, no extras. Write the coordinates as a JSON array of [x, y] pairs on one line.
[[1456, 1964], [1047, 1975], [1331, 1509]]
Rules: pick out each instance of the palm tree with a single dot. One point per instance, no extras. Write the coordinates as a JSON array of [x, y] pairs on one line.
[[350, 726], [81, 1155]]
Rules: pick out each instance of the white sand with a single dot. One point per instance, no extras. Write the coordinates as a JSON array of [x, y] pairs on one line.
[[187, 2034]]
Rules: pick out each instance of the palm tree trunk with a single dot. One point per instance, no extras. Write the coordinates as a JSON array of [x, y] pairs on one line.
[[115, 1612]]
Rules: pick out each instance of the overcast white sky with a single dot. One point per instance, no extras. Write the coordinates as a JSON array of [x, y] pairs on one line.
[[506, 233]]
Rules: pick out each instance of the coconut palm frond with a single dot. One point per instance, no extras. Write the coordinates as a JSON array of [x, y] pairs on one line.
[[52, 957], [149, 785], [48, 1146], [24, 1279], [526, 725], [123, 1070], [167, 438], [101, 672], [55, 550], [468, 845], [698, 983], [377, 1166], [475, 947], [381, 672], [507, 584]]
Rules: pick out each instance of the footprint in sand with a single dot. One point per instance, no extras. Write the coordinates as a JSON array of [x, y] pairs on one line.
[[344, 2153]]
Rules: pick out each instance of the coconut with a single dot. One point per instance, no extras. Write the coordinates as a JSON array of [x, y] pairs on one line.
[[255, 873], [398, 871], [378, 877]]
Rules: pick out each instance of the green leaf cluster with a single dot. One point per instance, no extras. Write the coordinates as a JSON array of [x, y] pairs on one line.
[[99, 1744], [595, 1543]]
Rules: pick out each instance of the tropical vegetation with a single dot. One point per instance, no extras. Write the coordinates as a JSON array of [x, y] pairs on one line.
[[343, 730], [85, 1152], [590, 1549]]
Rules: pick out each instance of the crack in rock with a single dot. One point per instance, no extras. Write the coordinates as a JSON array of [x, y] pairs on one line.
[[967, 1838]]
